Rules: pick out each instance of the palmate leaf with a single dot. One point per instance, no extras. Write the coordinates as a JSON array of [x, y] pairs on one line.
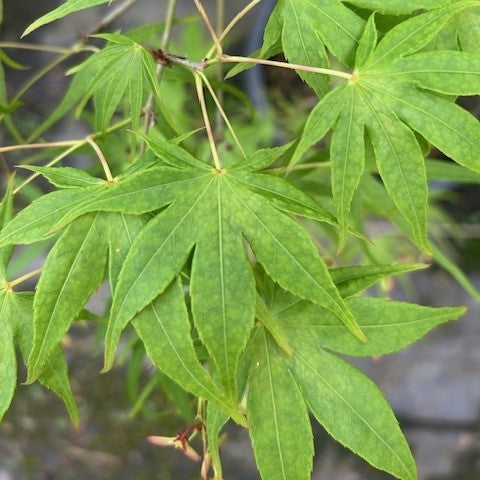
[[68, 7], [343, 400], [386, 98], [210, 215], [121, 70], [209, 210], [83, 266]]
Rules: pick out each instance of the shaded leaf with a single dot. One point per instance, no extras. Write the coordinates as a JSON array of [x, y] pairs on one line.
[[73, 271], [69, 6], [352, 409], [280, 428]]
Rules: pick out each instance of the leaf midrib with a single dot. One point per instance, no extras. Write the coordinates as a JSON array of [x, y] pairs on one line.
[[327, 294], [181, 220]]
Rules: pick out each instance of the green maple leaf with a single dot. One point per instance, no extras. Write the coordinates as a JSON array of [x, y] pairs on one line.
[[211, 218], [343, 400], [230, 202], [16, 325], [75, 268], [68, 7], [392, 93], [122, 70]]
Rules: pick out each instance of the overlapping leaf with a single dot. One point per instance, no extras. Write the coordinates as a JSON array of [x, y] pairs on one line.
[[211, 215], [16, 325], [461, 32], [121, 71], [391, 94], [343, 400]]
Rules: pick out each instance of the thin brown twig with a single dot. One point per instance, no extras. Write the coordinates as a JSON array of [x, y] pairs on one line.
[[233, 22], [167, 35], [210, 28], [113, 15], [73, 148]]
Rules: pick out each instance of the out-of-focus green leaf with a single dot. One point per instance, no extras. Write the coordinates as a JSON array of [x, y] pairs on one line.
[[68, 7]]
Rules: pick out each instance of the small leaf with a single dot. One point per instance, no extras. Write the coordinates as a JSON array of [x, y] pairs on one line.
[[320, 121], [402, 167], [216, 419], [389, 326], [444, 171], [456, 272], [367, 43], [352, 280], [66, 177], [308, 25], [413, 34], [261, 159], [6, 214], [270, 323], [4, 58], [54, 374], [397, 7], [284, 196], [66, 8], [34, 223], [8, 358], [301, 43], [347, 150], [449, 73]]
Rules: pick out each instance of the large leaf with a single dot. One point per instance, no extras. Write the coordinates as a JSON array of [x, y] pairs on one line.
[[70, 6], [212, 215]]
